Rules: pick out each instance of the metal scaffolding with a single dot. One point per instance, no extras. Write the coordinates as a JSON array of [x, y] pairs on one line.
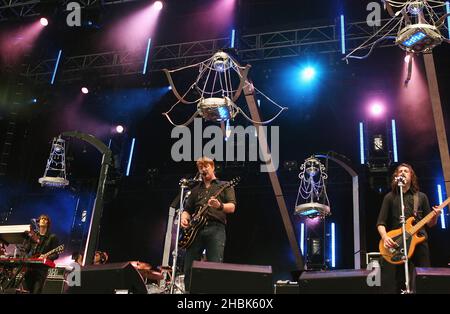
[[250, 48], [13, 9]]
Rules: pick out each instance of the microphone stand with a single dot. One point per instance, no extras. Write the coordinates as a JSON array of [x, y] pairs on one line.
[[183, 186], [401, 184]]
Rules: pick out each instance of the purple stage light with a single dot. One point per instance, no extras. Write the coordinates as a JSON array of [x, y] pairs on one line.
[[407, 58], [43, 21], [84, 90], [133, 31], [119, 129], [377, 109], [158, 5]]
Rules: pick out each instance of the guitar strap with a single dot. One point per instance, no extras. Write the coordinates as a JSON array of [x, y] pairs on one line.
[[416, 204]]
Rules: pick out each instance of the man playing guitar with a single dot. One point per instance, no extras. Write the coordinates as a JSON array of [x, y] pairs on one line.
[[39, 244], [416, 205], [212, 236]]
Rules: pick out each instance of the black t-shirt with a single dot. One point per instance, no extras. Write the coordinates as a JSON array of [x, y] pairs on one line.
[[200, 196], [390, 212]]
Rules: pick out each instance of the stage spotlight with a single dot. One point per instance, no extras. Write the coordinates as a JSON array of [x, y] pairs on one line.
[[308, 74], [158, 5], [119, 129], [377, 109], [84, 90], [34, 100], [44, 21], [169, 87], [407, 58]]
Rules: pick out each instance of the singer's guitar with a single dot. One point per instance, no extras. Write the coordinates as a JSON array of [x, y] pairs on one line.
[[395, 255], [56, 250], [198, 219]]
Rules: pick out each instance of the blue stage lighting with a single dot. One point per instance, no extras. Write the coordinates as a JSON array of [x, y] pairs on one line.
[[144, 70], [130, 158], [414, 39], [308, 74], [447, 7], [58, 59]]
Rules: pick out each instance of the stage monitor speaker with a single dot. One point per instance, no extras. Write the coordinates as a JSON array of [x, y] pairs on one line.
[[54, 283], [286, 287], [53, 286], [433, 280], [223, 278], [110, 279], [336, 282]]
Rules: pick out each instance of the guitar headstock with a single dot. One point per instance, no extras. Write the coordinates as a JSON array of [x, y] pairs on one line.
[[234, 181], [59, 249]]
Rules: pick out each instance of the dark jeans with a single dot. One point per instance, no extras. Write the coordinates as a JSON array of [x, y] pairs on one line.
[[211, 238], [34, 279], [393, 276]]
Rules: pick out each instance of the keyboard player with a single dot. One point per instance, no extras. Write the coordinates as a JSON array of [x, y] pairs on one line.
[[38, 244]]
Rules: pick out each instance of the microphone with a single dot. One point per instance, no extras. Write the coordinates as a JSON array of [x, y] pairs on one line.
[[194, 180], [401, 179], [198, 177]]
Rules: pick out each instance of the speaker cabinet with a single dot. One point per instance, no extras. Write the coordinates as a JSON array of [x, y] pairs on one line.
[[433, 280], [53, 286], [336, 282], [110, 279], [222, 278], [287, 288]]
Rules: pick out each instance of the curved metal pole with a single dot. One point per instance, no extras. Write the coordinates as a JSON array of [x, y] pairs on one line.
[[97, 211], [356, 222]]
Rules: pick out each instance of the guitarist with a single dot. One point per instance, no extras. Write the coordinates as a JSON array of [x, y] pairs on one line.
[[212, 236], [38, 244], [416, 204]]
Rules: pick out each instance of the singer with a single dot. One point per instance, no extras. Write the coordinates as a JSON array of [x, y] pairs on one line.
[[416, 204], [39, 244], [212, 236]]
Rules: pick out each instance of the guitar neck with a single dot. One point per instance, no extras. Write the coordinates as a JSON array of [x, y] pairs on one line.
[[423, 222], [428, 217], [52, 251], [205, 207]]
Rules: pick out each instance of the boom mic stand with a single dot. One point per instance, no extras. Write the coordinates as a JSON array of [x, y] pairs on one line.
[[401, 183], [184, 184]]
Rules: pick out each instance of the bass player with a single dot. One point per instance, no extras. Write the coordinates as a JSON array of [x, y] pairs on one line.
[[416, 204]]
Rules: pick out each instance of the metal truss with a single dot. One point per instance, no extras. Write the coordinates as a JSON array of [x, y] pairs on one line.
[[10, 9], [251, 48], [13, 9]]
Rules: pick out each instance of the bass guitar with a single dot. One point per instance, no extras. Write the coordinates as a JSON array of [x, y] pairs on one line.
[[394, 255]]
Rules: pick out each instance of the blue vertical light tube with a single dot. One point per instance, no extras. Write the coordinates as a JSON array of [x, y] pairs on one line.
[[361, 143], [233, 38], [439, 188], [447, 6], [302, 238], [333, 245], [144, 71], [58, 59], [394, 140], [130, 158], [342, 34]]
